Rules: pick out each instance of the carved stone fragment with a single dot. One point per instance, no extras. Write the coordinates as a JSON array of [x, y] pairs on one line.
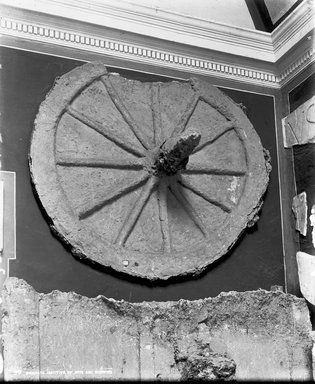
[[141, 176], [299, 126], [255, 335], [299, 207]]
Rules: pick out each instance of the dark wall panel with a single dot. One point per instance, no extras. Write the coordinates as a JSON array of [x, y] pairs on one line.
[[302, 92], [255, 262], [304, 160]]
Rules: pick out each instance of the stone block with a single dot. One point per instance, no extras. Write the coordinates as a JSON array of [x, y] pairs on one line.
[[254, 335], [299, 126], [20, 324]]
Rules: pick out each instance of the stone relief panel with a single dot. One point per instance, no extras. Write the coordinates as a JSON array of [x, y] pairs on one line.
[[151, 179], [299, 126]]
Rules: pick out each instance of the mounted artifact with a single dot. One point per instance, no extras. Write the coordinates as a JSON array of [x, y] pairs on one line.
[[151, 179]]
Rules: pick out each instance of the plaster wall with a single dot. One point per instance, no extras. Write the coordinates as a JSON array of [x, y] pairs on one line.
[[215, 10]]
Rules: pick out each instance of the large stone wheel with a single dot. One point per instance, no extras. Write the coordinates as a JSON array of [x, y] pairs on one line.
[[152, 179]]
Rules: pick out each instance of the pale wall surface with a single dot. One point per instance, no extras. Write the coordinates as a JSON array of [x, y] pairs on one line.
[[265, 335], [232, 12]]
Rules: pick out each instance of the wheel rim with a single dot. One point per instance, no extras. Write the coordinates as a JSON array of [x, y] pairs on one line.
[[91, 159]]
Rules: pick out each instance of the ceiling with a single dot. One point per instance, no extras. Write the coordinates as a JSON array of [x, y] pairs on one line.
[[238, 41], [263, 15], [214, 10]]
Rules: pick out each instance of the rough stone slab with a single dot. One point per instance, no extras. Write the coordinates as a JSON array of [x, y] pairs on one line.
[[299, 126], [20, 324], [86, 324], [244, 336]]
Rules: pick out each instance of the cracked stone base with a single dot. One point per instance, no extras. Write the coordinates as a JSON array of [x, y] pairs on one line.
[[244, 336]]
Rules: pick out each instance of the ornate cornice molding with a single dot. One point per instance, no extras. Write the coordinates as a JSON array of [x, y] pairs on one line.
[[296, 67], [134, 52], [158, 24], [38, 28]]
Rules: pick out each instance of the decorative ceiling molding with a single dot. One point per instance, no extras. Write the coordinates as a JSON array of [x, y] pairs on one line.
[[157, 23], [296, 67], [222, 51], [92, 43]]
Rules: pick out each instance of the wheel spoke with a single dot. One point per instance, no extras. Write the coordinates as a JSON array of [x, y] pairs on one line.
[[67, 161], [174, 188], [135, 212], [99, 200], [159, 136], [165, 229], [212, 99], [180, 128], [144, 140], [209, 139], [106, 132], [197, 168], [226, 207]]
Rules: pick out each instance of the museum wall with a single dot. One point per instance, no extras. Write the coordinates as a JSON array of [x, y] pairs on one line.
[[304, 157], [297, 93], [256, 260]]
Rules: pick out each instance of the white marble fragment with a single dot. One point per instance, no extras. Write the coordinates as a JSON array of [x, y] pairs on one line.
[[299, 126], [306, 269]]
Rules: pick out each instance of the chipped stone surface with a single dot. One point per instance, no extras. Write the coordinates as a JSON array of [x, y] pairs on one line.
[[250, 335], [20, 327], [299, 207], [306, 269], [299, 126], [96, 146]]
